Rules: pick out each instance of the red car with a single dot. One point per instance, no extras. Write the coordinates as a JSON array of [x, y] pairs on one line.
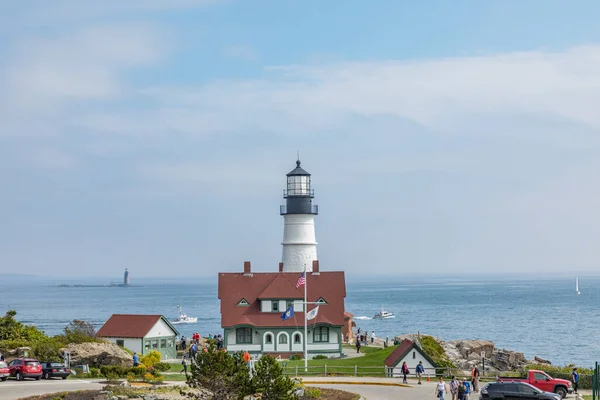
[[4, 371], [22, 368], [544, 382]]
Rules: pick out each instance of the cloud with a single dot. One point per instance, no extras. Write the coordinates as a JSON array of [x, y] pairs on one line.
[[47, 80], [431, 93]]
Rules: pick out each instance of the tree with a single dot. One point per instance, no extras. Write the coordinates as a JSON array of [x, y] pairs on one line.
[[225, 375], [79, 331], [270, 381], [10, 328]]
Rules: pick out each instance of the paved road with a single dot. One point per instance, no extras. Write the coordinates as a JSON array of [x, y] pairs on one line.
[[12, 390], [372, 392]]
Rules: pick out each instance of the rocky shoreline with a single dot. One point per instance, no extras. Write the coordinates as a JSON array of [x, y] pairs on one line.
[[465, 354]]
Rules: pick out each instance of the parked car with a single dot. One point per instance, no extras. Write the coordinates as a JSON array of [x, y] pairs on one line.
[[55, 370], [544, 382], [515, 391], [22, 368], [4, 371]]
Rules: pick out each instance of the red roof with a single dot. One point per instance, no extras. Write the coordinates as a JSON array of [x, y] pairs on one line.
[[130, 325], [400, 352], [282, 288], [280, 285]]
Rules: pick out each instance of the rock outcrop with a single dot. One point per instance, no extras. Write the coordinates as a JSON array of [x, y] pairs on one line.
[[466, 354], [99, 354], [539, 360]]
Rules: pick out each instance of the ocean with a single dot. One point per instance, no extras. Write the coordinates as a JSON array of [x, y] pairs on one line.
[[539, 317]]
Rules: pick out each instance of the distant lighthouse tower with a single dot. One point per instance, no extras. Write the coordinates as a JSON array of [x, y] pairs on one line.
[[126, 278], [299, 241]]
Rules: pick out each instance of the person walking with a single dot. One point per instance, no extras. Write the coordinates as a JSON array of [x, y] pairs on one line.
[[575, 379], [405, 372], [467, 386], [440, 389], [372, 337], [419, 370], [461, 392], [475, 379], [136, 359], [184, 364], [357, 346], [454, 384]]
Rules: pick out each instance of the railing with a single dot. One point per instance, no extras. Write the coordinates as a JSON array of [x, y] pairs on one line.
[[298, 192]]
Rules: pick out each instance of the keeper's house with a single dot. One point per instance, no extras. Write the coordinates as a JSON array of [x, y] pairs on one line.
[[252, 305], [141, 334]]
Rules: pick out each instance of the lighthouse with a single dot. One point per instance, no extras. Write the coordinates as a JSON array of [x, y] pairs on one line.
[[299, 240]]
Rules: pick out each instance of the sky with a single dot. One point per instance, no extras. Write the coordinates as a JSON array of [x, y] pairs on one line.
[[442, 137]]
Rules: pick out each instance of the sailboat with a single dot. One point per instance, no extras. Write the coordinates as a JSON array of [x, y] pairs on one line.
[[577, 285]]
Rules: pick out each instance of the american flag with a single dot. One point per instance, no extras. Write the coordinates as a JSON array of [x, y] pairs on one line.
[[301, 281]]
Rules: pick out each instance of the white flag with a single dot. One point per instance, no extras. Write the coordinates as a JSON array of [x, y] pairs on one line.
[[312, 314]]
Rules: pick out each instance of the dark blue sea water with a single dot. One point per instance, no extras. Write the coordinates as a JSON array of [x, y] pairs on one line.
[[537, 317]]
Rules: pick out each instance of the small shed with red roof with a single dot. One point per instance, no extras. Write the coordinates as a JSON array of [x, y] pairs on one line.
[[409, 352], [141, 333], [252, 305]]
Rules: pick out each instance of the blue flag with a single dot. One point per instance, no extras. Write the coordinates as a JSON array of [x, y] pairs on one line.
[[289, 313]]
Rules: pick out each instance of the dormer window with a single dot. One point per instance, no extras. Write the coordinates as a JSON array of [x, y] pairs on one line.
[[275, 305], [243, 302]]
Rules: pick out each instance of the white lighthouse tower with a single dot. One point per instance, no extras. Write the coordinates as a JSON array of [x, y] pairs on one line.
[[299, 241]]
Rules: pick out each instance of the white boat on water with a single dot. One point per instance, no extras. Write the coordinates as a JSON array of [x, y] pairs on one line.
[[382, 314], [577, 286], [182, 318]]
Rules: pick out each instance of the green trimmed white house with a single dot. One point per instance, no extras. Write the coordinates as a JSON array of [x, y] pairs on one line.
[[141, 334]]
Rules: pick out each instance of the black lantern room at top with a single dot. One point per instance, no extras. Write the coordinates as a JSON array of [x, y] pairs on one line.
[[298, 193]]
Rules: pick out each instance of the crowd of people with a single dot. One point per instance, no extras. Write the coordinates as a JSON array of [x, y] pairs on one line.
[[195, 342], [458, 390]]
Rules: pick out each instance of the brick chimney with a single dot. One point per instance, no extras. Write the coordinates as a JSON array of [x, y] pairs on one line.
[[281, 267], [247, 268], [315, 267]]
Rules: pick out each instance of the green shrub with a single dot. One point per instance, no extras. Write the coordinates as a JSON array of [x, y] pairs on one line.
[[94, 373], [162, 367], [435, 351], [296, 357], [46, 349], [312, 393], [138, 371], [320, 357]]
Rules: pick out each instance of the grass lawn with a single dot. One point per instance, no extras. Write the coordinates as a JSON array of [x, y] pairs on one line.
[[363, 349], [175, 377], [177, 367], [371, 364]]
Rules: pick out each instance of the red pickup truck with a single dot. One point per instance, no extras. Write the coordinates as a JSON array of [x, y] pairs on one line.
[[543, 381]]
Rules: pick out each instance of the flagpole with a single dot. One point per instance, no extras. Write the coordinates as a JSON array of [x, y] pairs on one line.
[[305, 322]]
